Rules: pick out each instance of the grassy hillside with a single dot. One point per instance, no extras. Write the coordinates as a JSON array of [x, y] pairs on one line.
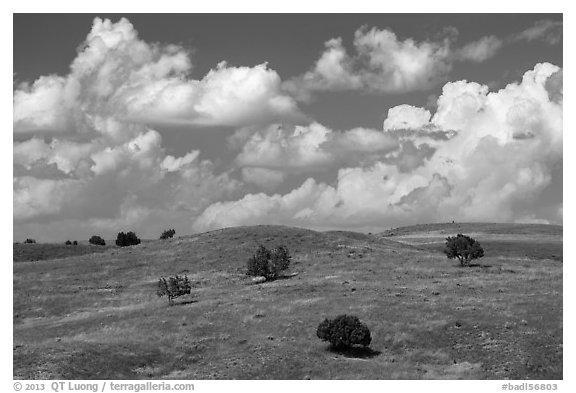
[[524, 241], [475, 227], [23, 252], [96, 316]]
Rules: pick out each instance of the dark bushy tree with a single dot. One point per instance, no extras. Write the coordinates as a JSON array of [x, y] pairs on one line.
[[75, 242], [258, 263], [169, 234], [97, 240], [464, 248], [127, 239], [280, 258], [344, 331], [30, 241], [269, 263], [68, 243], [174, 287]]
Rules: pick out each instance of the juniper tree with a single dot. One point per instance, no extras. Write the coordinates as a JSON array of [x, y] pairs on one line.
[[173, 287], [344, 331], [168, 234], [127, 239], [464, 248], [269, 263], [97, 240]]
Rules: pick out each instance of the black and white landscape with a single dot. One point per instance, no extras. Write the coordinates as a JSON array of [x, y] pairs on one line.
[[206, 196]]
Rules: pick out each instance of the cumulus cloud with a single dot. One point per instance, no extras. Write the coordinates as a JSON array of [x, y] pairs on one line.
[[382, 63], [385, 63], [276, 147], [299, 205], [34, 197], [493, 157], [407, 141], [96, 179], [116, 74], [89, 157], [406, 117], [310, 148], [229, 96], [334, 68], [401, 65], [93, 158], [41, 106]]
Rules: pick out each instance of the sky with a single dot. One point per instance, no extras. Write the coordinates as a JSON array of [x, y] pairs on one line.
[[326, 121]]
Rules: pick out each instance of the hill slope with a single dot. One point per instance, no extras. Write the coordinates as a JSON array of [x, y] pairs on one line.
[[23, 252], [524, 241], [96, 316]]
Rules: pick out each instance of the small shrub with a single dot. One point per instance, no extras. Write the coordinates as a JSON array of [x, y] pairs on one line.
[[30, 241], [75, 242], [173, 287], [344, 331], [97, 240], [68, 243], [169, 234], [127, 239], [269, 263], [464, 248]]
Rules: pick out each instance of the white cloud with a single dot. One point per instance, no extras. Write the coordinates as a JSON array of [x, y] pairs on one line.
[[97, 164], [480, 169], [264, 178], [385, 63], [36, 197], [252, 209], [97, 178], [549, 31], [481, 50], [232, 96], [406, 117], [93, 160], [401, 65], [310, 148], [360, 140], [278, 148], [66, 155], [333, 71], [459, 104], [335, 67], [142, 151], [30, 151], [116, 76], [41, 106], [173, 164]]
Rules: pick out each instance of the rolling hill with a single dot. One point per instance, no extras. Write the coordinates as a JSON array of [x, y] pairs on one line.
[[524, 241], [96, 315]]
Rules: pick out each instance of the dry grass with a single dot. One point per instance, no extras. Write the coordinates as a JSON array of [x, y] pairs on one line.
[[23, 252], [96, 316], [514, 241]]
